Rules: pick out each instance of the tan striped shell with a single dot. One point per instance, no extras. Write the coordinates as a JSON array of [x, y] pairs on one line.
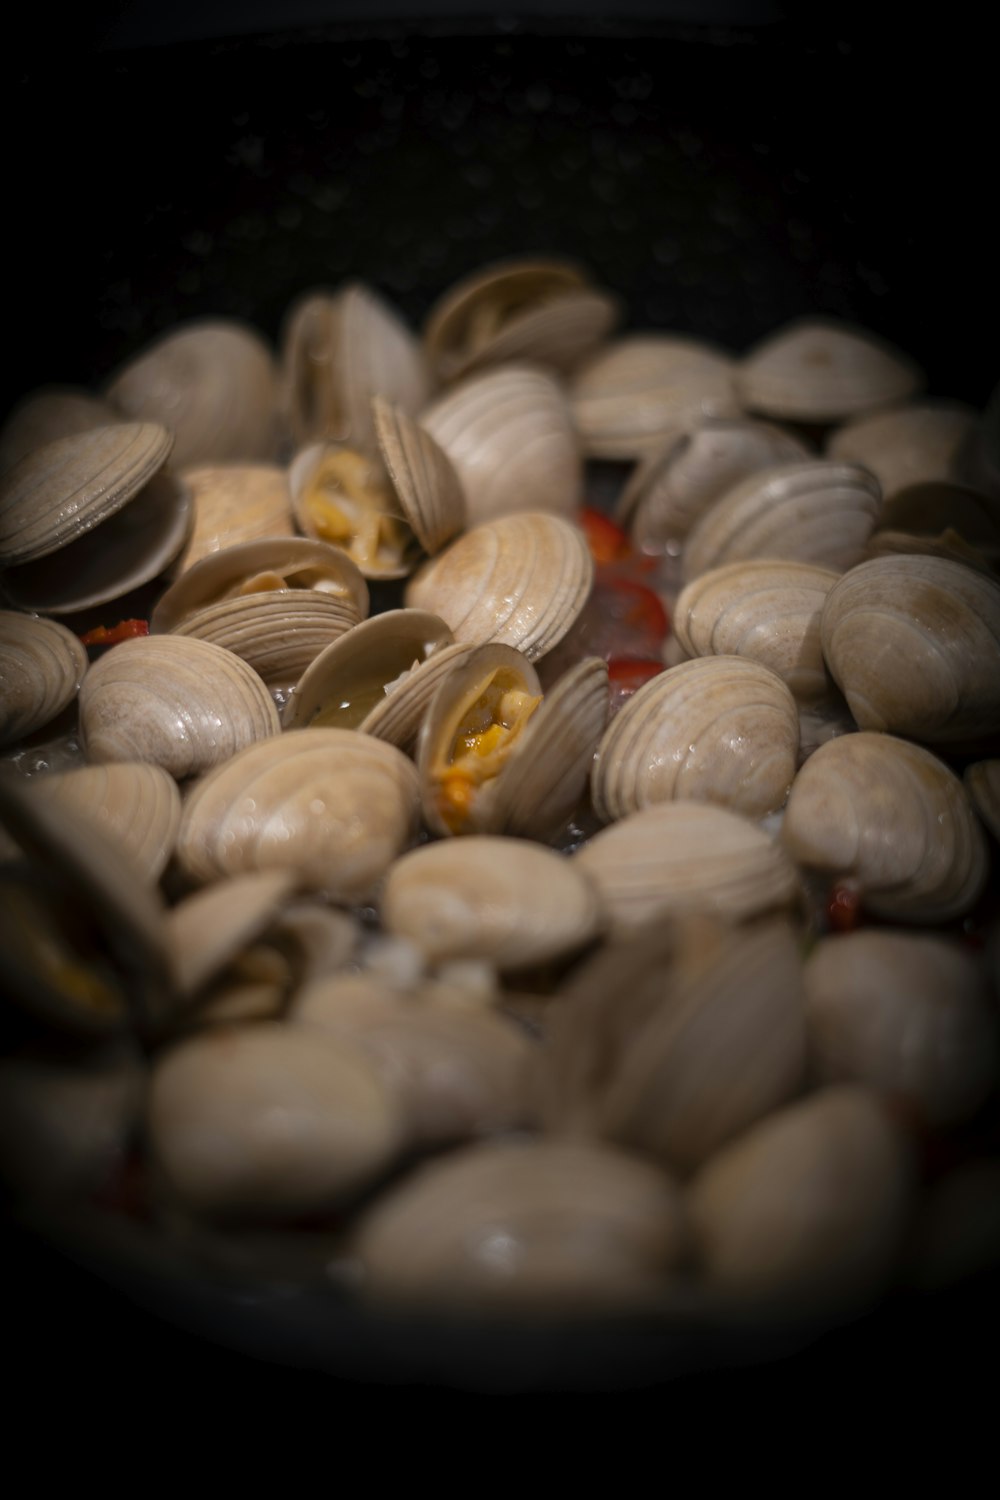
[[42, 665]]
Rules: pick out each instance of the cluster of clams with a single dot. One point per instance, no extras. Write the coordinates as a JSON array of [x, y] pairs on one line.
[[398, 901]]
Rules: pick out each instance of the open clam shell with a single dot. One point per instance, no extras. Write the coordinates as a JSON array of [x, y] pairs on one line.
[[235, 503], [180, 703], [42, 665], [535, 309], [510, 437], [914, 645], [522, 580], [895, 820], [718, 729], [427, 487], [824, 370], [906, 445], [343, 497], [334, 806], [817, 512], [214, 925], [49, 413]]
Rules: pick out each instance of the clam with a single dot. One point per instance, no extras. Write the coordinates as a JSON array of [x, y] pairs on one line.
[[136, 805], [42, 665], [906, 445], [339, 349], [212, 382], [719, 729], [641, 390], [947, 544], [824, 370], [817, 512], [894, 819], [507, 900], [906, 1013], [765, 611], [510, 437], [914, 645], [268, 1122], [525, 1227], [496, 756], [177, 702], [680, 858], [521, 580], [49, 413], [982, 782], [334, 806], [541, 310], [235, 503], [214, 925], [806, 1211], [944, 505]]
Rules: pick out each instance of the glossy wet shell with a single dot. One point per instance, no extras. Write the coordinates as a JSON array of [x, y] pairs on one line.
[[42, 665], [235, 503], [506, 900], [892, 817], [719, 729], [823, 370], [521, 580], [279, 634], [914, 645], [182, 704], [332, 805], [49, 413], [138, 806], [426, 484], [679, 858]]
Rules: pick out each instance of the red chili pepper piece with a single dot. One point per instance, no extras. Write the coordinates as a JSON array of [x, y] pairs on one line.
[[634, 605], [606, 540], [843, 909], [125, 630], [627, 673]]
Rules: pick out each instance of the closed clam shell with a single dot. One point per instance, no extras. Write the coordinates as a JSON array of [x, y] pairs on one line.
[[182, 704], [905, 445], [542, 1227], [808, 1208], [521, 580], [351, 684], [510, 437], [982, 781], [339, 349], [914, 645], [535, 309], [766, 611], [459, 1071], [629, 397], [235, 503], [49, 413], [817, 512], [137, 805], [906, 1013], [824, 370], [895, 819], [56, 493], [672, 488], [212, 382], [42, 665], [332, 805], [507, 900], [686, 857], [268, 1122], [718, 729], [427, 487]]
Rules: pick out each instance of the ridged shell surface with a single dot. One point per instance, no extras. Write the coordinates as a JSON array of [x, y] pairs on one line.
[[138, 805], [49, 413], [235, 503], [42, 665]]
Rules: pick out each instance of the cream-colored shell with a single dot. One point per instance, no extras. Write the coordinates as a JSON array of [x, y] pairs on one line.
[[138, 805], [914, 645], [49, 413], [42, 665], [332, 805], [510, 437], [907, 444], [893, 818], [766, 611], [818, 512], [426, 484], [182, 704], [211, 927], [521, 579], [824, 370], [718, 729], [279, 634], [235, 503]]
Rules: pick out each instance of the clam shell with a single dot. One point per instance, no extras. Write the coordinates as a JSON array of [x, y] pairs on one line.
[[213, 926], [914, 645], [427, 487], [680, 858], [212, 383], [182, 704], [510, 437], [343, 497], [906, 1013], [279, 634], [819, 512], [332, 805], [521, 580], [631, 396], [235, 503], [49, 413], [907, 445], [893, 818], [823, 370], [68, 487], [768, 612], [719, 729], [512, 902], [534, 309], [42, 665], [982, 782], [138, 806], [944, 505]]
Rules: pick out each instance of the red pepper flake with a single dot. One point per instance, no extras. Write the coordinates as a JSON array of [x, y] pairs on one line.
[[125, 630], [627, 673], [631, 603], [606, 540], [843, 909]]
